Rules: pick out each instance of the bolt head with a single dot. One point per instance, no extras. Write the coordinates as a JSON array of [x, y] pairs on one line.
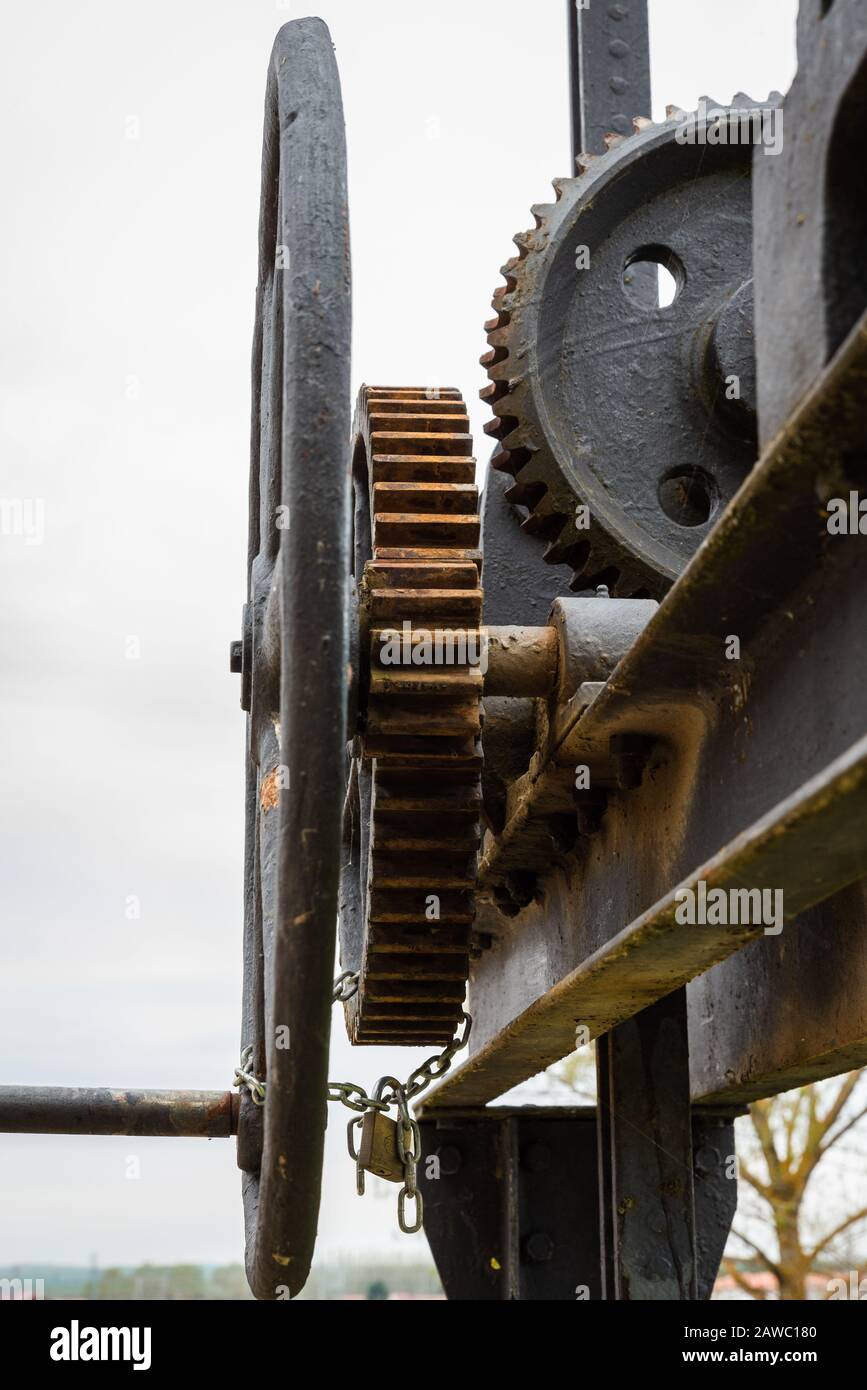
[[539, 1248], [236, 658], [450, 1160]]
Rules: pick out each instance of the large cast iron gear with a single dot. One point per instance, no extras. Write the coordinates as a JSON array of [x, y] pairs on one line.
[[617, 417], [412, 818]]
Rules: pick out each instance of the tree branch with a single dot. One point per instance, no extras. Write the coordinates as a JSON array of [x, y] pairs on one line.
[[742, 1281], [774, 1268], [837, 1231]]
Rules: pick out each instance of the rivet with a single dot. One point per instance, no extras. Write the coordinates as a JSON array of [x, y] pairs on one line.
[[706, 1159], [450, 1160], [618, 49], [539, 1247]]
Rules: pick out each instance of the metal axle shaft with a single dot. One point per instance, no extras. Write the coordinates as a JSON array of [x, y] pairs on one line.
[[74, 1110]]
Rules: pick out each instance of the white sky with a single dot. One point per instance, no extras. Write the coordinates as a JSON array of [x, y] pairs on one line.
[[128, 269]]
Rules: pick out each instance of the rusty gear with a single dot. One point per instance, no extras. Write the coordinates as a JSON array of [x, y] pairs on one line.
[[420, 721]]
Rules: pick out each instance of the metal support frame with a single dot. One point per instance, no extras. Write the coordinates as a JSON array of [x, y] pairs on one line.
[[609, 70], [510, 1202], [647, 1207], [518, 1205], [722, 798]]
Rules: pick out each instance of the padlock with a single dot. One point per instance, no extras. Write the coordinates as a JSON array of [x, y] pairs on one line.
[[377, 1148]]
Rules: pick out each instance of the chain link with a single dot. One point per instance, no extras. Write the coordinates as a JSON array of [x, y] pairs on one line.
[[345, 986], [343, 1092], [245, 1078], [409, 1149]]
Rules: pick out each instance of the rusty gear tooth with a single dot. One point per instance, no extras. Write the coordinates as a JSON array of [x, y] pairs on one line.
[[673, 113], [492, 356], [519, 494], [542, 212], [496, 334], [611, 140], [640, 123], [494, 391], [500, 460], [584, 161], [497, 429]]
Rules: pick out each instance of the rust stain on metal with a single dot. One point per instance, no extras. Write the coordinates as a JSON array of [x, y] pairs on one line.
[[269, 792]]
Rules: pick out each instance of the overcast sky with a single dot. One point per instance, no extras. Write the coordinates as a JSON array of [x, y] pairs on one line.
[[132, 137]]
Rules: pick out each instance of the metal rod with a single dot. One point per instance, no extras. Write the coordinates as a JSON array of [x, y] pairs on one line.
[[75, 1110], [520, 660], [575, 80]]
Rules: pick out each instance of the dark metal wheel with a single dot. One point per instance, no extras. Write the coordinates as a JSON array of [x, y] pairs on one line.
[[295, 653], [625, 481]]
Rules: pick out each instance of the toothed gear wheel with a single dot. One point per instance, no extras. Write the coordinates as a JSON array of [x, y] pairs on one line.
[[628, 423], [413, 810]]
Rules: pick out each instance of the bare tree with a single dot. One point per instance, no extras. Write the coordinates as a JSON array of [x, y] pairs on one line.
[[791, 1134]]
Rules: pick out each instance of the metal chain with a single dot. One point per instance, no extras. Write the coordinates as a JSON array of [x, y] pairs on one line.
[[345, 986], [388, 1092], [409, 1149], [416, 1082], [244, 1077]]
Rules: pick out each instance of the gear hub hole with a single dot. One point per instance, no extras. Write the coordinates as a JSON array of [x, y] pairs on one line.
[[688, 496], [653, 277]]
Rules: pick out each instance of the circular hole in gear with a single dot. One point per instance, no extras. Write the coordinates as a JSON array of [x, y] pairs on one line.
[[688, 496], [653, 277]]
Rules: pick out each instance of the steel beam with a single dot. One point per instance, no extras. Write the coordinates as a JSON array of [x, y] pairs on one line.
[[513, 1195], [74, 1110], [808, 847], [510, 1203], [755, 774], [647, 1205], [811, 283], [715, 1191], [609, 70], [784, 1012]]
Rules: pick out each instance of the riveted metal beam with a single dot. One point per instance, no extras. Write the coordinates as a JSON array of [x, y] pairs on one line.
[[609, 70]]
